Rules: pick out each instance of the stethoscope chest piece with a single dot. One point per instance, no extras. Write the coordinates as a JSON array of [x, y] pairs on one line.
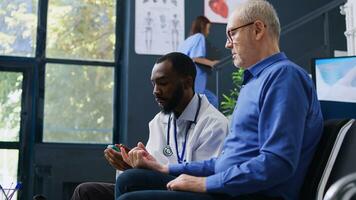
[[167, 151]]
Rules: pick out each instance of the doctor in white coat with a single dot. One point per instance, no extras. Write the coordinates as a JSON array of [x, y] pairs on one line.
[[188, 128]]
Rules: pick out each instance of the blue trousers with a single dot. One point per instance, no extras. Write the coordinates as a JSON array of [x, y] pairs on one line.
[[141, 184]]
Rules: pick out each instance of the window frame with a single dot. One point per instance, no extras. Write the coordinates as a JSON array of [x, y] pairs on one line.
[[42, 60], [33, 68], [25, 66]]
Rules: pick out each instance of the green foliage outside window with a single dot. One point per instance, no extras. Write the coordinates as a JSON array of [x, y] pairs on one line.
[[229, 101], [18, 22], [78, 99], [81, 29], [78, 104], [10, 105]]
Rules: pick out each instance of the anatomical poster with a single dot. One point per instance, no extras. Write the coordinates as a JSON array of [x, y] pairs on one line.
[[218, 11], [159, 26]]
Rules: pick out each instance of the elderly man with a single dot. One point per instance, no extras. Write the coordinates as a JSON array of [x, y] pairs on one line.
[[187, 129], [274, 131]]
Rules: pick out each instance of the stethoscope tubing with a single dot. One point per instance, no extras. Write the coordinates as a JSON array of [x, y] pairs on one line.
[[180, 157]]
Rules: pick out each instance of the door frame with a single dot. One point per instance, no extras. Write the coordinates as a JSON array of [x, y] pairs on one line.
[[25, 145]]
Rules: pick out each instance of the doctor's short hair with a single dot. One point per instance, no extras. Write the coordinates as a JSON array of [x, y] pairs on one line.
[[181, 63]]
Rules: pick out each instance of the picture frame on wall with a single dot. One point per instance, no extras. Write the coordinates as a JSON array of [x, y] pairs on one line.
[[218, 11], [159, 26]]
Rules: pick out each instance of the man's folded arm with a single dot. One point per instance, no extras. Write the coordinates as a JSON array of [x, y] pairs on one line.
[[260, 173], [198, 168]]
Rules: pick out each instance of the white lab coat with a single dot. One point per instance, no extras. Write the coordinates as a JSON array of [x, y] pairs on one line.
[[204, 140]]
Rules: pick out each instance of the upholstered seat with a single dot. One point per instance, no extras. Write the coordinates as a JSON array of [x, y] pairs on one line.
[[323, 169]]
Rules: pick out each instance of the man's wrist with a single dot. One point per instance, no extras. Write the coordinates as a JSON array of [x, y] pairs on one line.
[[163, 169], [203, 184]]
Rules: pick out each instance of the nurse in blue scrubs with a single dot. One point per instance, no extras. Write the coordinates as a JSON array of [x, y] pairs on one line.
[[194, 46]]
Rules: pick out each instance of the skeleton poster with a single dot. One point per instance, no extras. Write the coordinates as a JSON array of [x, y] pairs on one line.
[[159, 26]]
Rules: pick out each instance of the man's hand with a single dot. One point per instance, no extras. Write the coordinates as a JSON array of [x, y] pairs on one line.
[[139, 157], [115, 158], [189, 183]]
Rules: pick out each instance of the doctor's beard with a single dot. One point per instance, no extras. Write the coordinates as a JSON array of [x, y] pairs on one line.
[[175, 100]]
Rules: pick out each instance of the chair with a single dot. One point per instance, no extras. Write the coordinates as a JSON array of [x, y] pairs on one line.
[[322, 164], [343, 189]]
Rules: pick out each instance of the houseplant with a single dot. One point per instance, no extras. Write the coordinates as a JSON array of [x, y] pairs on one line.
[[229, 100]]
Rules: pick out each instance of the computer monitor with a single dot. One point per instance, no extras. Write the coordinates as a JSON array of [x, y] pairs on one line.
[[335, 78]]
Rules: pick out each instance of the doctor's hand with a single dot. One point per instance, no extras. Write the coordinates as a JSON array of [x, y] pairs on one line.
[[115, 158], [139, 157], [189, 183]]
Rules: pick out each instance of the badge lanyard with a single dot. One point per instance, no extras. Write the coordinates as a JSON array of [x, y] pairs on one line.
[[167, 150]]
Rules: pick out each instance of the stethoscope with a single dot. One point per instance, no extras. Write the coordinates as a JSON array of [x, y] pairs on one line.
[[167, 150]]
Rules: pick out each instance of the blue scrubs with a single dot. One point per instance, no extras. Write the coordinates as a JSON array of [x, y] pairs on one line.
[[194, 47]]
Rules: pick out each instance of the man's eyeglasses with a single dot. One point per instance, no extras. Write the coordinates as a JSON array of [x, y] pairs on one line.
[[229, 32]]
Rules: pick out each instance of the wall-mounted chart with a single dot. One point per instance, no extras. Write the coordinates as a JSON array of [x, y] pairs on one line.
[[159, 26]]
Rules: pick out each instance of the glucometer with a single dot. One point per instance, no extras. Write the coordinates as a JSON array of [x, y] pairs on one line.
[[112, 146]]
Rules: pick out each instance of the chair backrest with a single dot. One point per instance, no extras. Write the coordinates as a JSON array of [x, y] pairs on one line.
[[341, 160], [343, 189], [324, 158], [345, 162]]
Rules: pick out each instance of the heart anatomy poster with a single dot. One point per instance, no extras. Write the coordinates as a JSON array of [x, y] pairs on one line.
[[159, 26], [218, 11]]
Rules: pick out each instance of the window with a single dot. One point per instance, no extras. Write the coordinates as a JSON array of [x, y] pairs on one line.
[[81, 29], [78, 98], [10, 106], [57, 69], [18, 20], [10, 117], [8, 169], [78, 104]]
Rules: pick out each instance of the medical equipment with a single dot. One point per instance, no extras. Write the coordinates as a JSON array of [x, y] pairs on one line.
[[167, 150]]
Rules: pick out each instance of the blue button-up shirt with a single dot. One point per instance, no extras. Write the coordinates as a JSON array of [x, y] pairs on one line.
[[276, 126]]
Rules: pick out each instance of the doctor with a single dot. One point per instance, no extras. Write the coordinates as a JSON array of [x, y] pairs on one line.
[[188, 128]]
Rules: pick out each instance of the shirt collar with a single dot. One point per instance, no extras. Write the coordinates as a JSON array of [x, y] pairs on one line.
[[260, 66], [189, 112]]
